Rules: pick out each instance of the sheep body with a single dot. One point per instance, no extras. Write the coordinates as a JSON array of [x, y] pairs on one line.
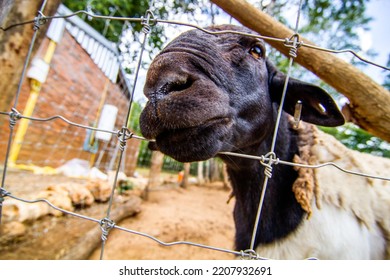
[[366, 199], [348, 215], [330, 233]]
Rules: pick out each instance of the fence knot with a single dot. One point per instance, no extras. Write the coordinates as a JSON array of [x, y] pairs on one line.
[[39, 20], [148, 21], [106, 225], [293, 44], [3, 193], [267, 161], [14, 116], [123, 135], [90, 12], [249, 254]]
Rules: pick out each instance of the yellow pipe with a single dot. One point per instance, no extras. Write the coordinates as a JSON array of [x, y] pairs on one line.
[[50, 51], [23, 124], [29, 109]]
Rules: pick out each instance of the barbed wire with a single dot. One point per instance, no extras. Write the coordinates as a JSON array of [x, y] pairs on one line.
[[124, 134]]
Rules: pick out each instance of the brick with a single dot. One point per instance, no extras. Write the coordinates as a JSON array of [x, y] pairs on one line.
[[73, 90]]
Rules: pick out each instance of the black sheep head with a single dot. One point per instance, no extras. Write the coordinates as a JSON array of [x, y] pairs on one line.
[[209, 93]]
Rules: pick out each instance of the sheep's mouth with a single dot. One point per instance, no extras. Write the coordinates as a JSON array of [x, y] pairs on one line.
[[194, 143], [180, 134]]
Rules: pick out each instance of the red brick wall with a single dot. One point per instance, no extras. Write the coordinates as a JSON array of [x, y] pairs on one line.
[[73, 90]]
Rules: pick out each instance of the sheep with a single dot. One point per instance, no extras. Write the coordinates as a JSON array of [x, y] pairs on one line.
[[101, 190], [15, 210], [66, 197], [213, 93], [79, 194], [18, 211]]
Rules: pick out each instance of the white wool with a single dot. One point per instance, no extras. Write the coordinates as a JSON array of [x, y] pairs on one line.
[[349, 215], [80, 195], [101, 190], [368, 200], [62, 196], [15, 210], [330, 233], [59, 197]]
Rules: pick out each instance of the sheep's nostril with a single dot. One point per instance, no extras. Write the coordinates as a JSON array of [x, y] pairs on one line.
[[176, 86], [167, 86]]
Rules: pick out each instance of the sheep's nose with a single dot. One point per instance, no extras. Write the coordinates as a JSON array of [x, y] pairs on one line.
[[168, 84], [180, 84]]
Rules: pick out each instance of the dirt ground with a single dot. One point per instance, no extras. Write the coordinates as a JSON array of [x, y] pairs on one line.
[[198, 214]]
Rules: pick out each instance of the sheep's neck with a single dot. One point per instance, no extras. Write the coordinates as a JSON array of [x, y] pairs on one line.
[[281, 213]]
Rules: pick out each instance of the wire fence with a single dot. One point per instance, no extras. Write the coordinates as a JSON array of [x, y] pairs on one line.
[[124, 134]]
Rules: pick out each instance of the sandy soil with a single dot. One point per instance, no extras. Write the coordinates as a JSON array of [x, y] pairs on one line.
[[198, 214]]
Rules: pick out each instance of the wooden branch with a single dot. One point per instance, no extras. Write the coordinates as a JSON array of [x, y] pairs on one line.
[[369, 102]]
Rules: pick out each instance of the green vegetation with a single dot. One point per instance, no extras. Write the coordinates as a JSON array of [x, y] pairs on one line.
[[358, 139]]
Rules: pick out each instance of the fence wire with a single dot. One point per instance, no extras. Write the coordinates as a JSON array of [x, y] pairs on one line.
[[124, 134]]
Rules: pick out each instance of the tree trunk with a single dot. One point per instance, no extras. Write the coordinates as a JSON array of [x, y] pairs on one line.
[[156, 164], [184, 182], [369, 102], [15, 42], [215, 173], [207, 171], [200, 173]]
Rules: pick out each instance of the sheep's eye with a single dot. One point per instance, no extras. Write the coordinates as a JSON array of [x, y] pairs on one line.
[[256, 51]]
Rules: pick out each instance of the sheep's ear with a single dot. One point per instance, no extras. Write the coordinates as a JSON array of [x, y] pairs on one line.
[[317, 106]]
